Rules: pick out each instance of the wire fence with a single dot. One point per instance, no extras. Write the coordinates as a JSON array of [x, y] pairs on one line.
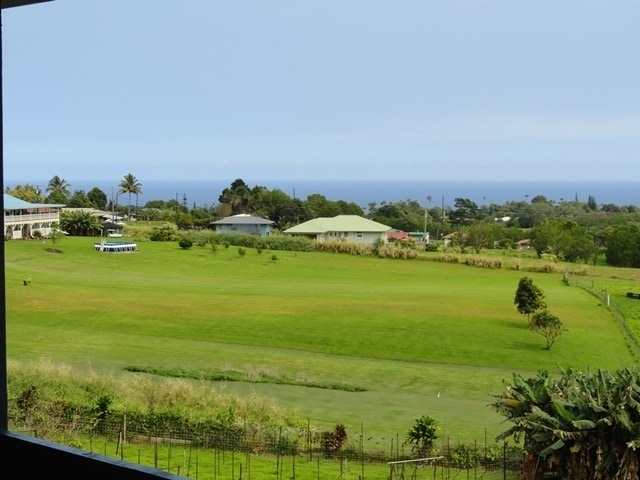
[[603, 294], [246, 452]]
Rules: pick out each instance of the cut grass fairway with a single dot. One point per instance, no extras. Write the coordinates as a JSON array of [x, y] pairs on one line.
[[369, 342]]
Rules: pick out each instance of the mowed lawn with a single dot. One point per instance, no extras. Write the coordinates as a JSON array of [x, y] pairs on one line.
[[421, 337]]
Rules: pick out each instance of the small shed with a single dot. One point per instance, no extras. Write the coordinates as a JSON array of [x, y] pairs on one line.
[[112, 229]]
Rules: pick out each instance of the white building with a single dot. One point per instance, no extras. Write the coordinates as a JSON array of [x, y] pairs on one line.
[[22, 218]]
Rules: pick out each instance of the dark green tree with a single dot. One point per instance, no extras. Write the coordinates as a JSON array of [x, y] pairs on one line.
[[318, 206], [611, 208], [350, 208], [547, 325], [480, 234], [539, 199], [238, 196], [572, 210], [532, 214], [407, 216], [289, 214], [563, 238], [529, 298], [159, 204], [577, 243], [623, 246], [79, 199], [545, 237], [265, 202], [465, 212], [98, 198]]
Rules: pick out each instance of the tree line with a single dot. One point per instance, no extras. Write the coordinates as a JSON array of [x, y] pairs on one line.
[[568, 230]]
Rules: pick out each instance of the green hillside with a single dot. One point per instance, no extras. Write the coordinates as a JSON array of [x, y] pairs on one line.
[[398, 338]]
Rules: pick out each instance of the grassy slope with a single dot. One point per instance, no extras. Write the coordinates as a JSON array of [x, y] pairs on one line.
[[422, 337]]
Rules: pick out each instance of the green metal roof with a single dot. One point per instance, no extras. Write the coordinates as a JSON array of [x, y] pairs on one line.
[[13, 203], [341, 223]]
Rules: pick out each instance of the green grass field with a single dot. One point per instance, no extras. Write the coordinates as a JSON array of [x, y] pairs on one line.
[[417, 337]]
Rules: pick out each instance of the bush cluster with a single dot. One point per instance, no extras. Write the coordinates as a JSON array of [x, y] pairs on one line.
[[483, 262], [293, 244], [164, 233], [339, 246], [394, 251], [447, 258]]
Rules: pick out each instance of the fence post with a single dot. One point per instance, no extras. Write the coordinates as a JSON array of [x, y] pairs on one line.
[[504, 459], [309, 438]]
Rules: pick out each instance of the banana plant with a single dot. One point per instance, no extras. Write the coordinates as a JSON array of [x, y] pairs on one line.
[[578, 425]]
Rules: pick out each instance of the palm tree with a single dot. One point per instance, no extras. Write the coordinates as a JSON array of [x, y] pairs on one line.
[[58, 189], [130, 184]]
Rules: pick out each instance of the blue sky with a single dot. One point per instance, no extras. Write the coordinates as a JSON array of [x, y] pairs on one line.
[[331, 89]]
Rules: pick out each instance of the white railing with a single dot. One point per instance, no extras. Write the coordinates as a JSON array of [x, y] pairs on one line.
[[31, 218]]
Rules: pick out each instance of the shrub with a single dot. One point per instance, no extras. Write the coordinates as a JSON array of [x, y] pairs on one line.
[[484, 262], [448, 258], [293, 244], [333, 441], [393, 251], [201, 241], [185, 243], [165, 233], [378, 243], [431, 247], [422, 434], [464, 456], [341, 246]]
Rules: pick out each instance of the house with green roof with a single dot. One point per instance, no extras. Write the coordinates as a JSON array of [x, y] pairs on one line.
[[22, 218], [350, 228]]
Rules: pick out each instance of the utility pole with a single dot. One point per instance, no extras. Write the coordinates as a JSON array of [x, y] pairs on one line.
[[442, 214], [424, 232]]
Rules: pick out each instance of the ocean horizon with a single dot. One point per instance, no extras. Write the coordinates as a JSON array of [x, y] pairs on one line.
[[205, 193]]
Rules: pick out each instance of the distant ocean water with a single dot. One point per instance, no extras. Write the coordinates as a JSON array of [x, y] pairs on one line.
[[206, 193]]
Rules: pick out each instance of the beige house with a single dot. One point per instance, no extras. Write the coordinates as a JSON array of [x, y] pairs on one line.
[[22, 218], [350, 228]]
